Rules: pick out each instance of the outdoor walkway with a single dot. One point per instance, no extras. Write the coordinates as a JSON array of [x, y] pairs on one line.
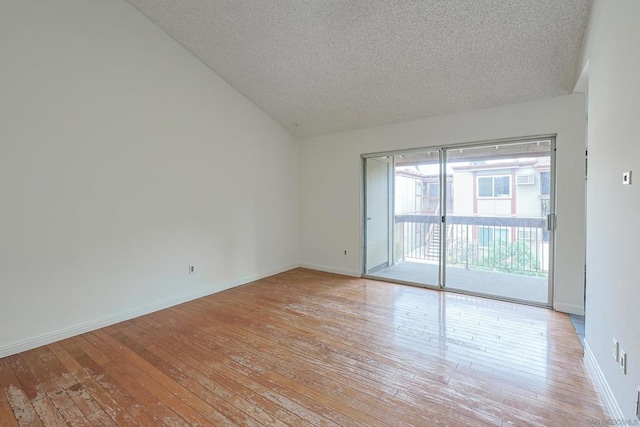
[[512, 286]]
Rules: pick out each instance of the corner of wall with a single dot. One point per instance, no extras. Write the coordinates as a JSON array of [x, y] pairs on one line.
[[568, 308]]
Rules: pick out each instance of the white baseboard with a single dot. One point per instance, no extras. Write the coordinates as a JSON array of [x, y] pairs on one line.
[[327, 269], [568, 308], [92, 325], [615, 413]]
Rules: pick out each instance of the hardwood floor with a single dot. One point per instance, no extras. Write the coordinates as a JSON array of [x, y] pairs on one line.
[[310, 348]]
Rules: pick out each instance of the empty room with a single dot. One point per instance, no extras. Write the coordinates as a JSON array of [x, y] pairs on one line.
[[313, 212]]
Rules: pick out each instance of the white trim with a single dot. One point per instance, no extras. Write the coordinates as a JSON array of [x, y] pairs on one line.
[[92, 325], [343, 271], [568, 308], [615, 413], [582, 85]]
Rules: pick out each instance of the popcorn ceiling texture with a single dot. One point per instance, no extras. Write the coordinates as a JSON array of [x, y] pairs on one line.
[[323, 66]]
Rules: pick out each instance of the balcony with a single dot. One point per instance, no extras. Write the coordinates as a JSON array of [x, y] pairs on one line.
[[501, 256]]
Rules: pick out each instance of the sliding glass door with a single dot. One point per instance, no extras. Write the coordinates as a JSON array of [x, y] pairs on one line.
[[471, 218], [415, 219], [378, 232], [497, 239]]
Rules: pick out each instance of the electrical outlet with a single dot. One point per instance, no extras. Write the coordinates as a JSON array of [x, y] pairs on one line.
[[638, 404], [192, 269], [623, 360], [345, 252], [614, 349], [626, 178]]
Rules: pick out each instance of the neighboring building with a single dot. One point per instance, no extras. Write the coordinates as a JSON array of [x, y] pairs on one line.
[[417, 193], [493, 192], [514, 187]]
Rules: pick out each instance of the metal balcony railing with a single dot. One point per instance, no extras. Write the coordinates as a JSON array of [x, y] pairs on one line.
[[502, 244]]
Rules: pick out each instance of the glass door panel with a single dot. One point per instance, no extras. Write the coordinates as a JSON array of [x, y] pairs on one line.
[[497, 242], [415, 219], [377, 214]]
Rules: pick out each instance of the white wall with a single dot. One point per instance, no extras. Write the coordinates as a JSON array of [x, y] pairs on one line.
[[122, 160], [331, 181], [463, 194], [406, 200], [613, 211], [528, 195]]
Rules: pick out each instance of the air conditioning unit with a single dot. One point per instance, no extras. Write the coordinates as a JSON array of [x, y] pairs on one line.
[[525, 179]]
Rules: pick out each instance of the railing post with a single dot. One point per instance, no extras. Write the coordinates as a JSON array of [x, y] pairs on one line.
[[404, 248], [466, 248]]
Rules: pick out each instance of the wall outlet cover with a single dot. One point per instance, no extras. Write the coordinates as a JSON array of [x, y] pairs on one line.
[[626, 178], [623, 360]]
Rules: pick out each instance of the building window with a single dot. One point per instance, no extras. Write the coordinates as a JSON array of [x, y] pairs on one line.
[[528, 233], [545, 183], [494, 186], [434, 189], [486, 235]]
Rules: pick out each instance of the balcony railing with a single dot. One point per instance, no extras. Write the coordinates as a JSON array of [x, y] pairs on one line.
[[502, 244]]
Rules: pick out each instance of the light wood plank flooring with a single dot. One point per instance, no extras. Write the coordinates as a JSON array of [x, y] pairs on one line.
[[310, 348]]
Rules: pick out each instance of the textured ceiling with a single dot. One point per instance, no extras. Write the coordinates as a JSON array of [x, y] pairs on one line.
[[322, 66]]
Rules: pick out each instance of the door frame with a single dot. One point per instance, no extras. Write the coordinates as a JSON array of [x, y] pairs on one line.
[[441, 149]]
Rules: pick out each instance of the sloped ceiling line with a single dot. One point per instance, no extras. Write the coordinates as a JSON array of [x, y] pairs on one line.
[[324, 66]]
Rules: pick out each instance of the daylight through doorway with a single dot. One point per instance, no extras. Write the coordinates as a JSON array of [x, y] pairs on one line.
[[475, 218]]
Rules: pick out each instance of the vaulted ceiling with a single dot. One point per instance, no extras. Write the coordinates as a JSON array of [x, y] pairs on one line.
[[323, 66]]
